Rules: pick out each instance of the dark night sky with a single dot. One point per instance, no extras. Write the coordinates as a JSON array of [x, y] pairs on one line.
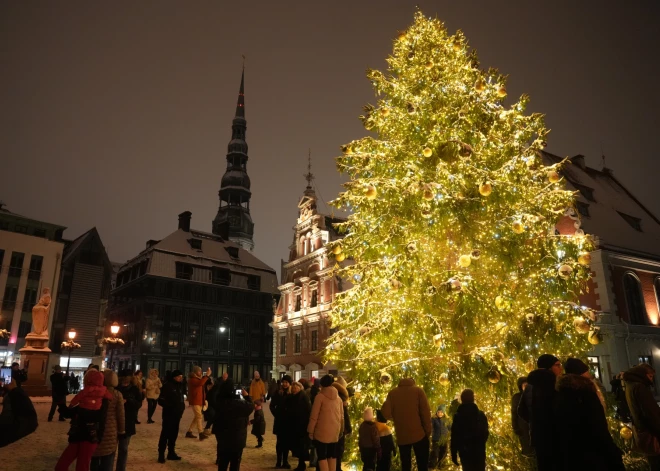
[[117, 114]]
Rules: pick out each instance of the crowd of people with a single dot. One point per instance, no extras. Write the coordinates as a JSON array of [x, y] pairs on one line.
[[558, 414]]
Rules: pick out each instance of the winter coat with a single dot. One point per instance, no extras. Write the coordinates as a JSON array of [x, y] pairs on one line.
[[520, 425], [88, 425], [643, 408], [114, 424], [277, 409], [469, 432], [326, 422], [536, 408], [18, 418], [408, 406], [230, 425], [348, 429], [440, 430], [153, 385], [196, 389], [133, 398], [171, 399], [258, 423], [585, 441], [296, 414], [59, 383], [368, 435], [257, 389], [386, 439]]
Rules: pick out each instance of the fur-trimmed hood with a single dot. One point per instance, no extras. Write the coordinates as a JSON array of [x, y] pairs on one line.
[[575, 382], [637, 374]]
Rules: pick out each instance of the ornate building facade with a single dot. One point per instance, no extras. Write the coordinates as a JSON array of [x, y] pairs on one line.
[[308, 288]]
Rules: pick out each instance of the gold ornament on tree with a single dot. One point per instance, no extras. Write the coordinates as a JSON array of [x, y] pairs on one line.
[[494, 375], [518, 227], [594, 336], [427, 152], [370, 192], [581, 325], [479, 85], [485, 189], [429, 65], [475, 254], [501, 91], [565, 271], [626, 433], [428, 194], [553, 176], [465, 261], [336, 249], [584, 258], [385, 377], [385, 111], [437, 340], [340, 257], [444, 379]]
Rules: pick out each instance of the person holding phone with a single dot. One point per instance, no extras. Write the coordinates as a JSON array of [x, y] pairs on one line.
[[196, 396], [234, 407]]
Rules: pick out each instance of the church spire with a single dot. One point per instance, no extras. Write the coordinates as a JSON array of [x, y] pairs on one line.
[[240, 105], [309, 176]]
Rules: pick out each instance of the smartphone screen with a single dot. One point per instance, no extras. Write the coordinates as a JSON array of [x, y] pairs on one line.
[[239, 392]]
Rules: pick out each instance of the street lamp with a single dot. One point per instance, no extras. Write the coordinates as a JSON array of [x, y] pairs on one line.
[[70, 345], [112, 342]]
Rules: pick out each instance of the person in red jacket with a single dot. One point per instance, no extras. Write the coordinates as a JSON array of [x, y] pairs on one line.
[[196, 394]]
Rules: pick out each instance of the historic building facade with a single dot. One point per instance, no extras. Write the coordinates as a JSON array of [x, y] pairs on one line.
[[625, 288], [30, 259], [200, 298], [308, 287]]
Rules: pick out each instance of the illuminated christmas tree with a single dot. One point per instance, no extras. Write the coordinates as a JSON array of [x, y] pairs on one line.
[[459, 277]]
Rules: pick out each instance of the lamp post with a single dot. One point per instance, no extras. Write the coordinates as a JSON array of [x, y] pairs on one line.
[[112, 341], [70, 345]]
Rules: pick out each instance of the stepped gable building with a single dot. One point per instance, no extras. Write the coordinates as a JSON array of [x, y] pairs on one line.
[[82, 298], [234, 210], [199, 298], [625, 287], [308, 287], [30, 258]]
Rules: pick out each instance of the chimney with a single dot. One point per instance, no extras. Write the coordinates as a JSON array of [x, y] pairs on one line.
[[151, 243], [184, 221], [579, 161]]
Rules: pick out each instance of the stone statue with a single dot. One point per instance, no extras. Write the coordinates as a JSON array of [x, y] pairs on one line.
[[40, 314]]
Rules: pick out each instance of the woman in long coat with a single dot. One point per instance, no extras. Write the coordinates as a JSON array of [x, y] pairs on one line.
[[103, 458], [297, 408]]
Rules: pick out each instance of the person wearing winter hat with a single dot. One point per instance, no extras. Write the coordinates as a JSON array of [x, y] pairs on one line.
[[536, 408], [277, 408], [103, 458], [387, 447], [296, 417], [585, 441], [171, 400], [88, 423], [469, 432], [326, 424], [230, 425], [340, 386], [132, 401], [520, 426], [644, 411], [368, 441], [439, 438], [576, 366]]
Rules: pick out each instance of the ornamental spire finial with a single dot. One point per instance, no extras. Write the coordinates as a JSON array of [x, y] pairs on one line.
[[309, 176]]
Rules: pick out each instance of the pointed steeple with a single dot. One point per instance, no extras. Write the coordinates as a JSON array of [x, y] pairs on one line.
[[309, 176], [233, 219], [240, 105]]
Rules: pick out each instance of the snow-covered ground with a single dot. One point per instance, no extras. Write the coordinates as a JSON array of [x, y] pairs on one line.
[[40, 451]]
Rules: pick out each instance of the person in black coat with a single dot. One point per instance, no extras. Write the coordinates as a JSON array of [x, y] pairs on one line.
[[469, 432], [348, 429], [277, 409], [171, 400], [230, 425], [520, 425], [297, 408], [584, 441], [18, 418], [132, 402], [58, 381], [536, 408]]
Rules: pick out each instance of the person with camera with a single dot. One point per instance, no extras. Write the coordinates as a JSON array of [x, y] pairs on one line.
[[171, 400], [230, 424], [196, 398], [58, 381]]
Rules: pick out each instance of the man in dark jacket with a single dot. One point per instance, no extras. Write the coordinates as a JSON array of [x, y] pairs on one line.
[[585, 441], [469, 433], [277, 409], [520, 426], [536, 408], [58, 381], [18, 418], [230, 425], [644, 411], [297, 409], [132, 402], [171, 400]]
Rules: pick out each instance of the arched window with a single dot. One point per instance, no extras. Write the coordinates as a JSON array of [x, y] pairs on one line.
[[634, 299]]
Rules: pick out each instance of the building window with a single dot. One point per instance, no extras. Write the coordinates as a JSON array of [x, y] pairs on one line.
[[191, 339], [315, 298], [16, 264], [175, 317], [233, 252], [195, 243], [297, 375], [298, 343], [221, 276], [20, 229], [155, 339], [173, 341], [646, 359], [634, 299], [30, 299], [184, 271], [635, 223], [36, 261], [9, 299], [583, 208], [283, 345], [171, 365], [254, 282], [298, 302], [315, 340], [594, 366]]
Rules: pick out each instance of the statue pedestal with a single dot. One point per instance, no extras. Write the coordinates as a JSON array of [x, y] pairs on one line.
[[34, 357]]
